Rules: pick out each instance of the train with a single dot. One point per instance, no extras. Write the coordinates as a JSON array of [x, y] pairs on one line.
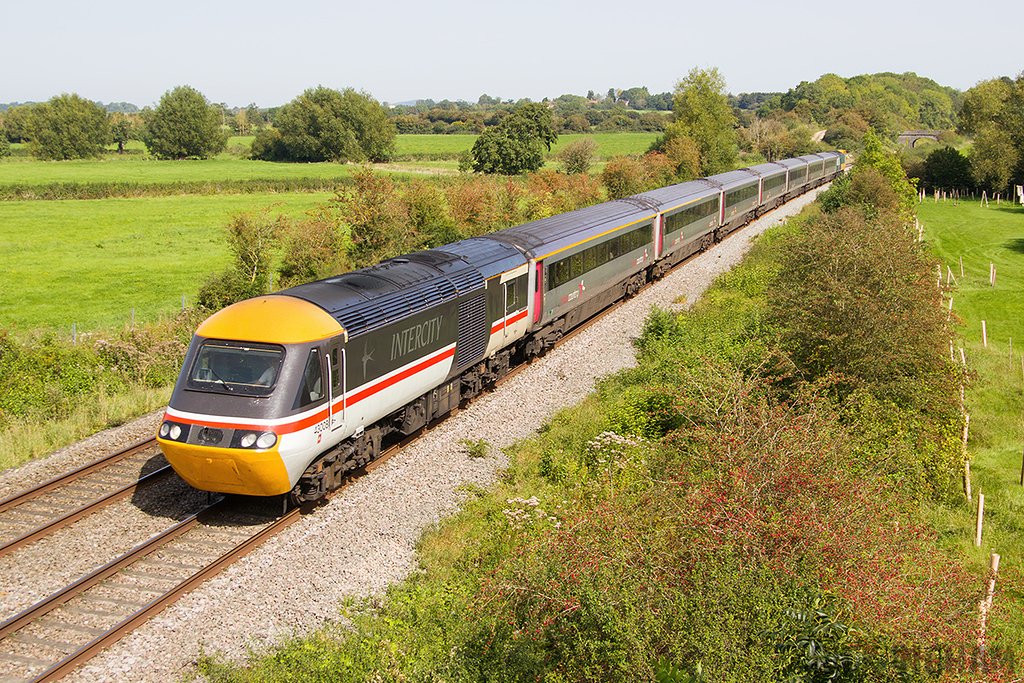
[[285, 394]]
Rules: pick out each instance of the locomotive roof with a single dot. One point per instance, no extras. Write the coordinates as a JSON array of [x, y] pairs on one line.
[[371, 297], [489, 256], [546, 236]]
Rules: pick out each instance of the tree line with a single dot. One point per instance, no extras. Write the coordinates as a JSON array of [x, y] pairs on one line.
[[702, 128]]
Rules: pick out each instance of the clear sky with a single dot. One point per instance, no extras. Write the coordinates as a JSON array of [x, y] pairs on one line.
[[267, 53]]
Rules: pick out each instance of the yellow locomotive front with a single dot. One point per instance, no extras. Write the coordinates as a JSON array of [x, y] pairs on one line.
[[253, 389]]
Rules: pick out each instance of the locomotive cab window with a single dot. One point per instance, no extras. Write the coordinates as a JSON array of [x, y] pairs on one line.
[[312, 388], [227, 367]]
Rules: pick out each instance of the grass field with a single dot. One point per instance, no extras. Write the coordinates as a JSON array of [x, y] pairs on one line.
[[608, 144], [143, 170], [995, 396], [91, 262]]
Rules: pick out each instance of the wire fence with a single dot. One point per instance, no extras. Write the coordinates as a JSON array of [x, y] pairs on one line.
[[128, 320]]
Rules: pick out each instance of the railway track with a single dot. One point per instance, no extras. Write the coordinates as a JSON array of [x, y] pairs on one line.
[[63, 631], [56, 635], [42, 510], [59, 633]]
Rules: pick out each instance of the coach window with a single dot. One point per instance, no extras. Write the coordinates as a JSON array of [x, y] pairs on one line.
[[613, 248], [577, 265], [558, 274], [589, 259]]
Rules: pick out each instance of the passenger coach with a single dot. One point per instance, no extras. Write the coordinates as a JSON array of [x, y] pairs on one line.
[[285, 393]]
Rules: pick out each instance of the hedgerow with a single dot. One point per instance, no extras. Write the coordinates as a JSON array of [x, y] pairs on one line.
[[43, 377], [127, 189]]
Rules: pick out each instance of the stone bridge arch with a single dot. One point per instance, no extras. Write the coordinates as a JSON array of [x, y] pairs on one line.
[[909, 138]]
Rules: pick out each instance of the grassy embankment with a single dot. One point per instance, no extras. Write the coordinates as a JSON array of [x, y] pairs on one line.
[[995, 398], [707, 550]]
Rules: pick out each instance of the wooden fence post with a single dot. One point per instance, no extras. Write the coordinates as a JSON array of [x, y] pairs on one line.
[[981, 516], [967, 461], [986, 604]]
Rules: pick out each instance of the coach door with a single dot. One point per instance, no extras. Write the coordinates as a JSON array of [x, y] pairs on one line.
[[336, 355], [514, 285]]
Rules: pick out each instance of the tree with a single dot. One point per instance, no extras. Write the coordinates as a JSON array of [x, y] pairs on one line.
[[184, 125], [993, 111], [68, 127], [994, 158], [877, 186], [122, 129], [888, 164], [253, 116], [947, 168], [328, 125], [269, 146], [702, 113], [624, 176], [18, 123], [514, 146]]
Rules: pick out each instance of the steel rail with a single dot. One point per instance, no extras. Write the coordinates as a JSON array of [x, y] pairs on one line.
[[73, 516], [68, 477], [94, 647]]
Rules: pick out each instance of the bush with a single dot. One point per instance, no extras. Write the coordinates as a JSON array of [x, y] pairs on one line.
[[251, 239], [577, 156], [311, 249], [269, 146], [646, 412], [854, 300], [624, 176]]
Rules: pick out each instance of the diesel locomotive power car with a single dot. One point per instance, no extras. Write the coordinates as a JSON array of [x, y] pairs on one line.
[[285, 393]]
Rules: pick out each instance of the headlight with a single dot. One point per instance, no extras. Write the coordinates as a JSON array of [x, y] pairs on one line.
[[248, 440], [266, 440], [173, 431]]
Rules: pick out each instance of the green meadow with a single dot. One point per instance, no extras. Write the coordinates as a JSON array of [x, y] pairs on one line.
[[133, 168], [94, 263], [91, 262], [608, 144]]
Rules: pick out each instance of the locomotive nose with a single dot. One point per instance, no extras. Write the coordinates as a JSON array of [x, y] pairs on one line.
[[207, 468]]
